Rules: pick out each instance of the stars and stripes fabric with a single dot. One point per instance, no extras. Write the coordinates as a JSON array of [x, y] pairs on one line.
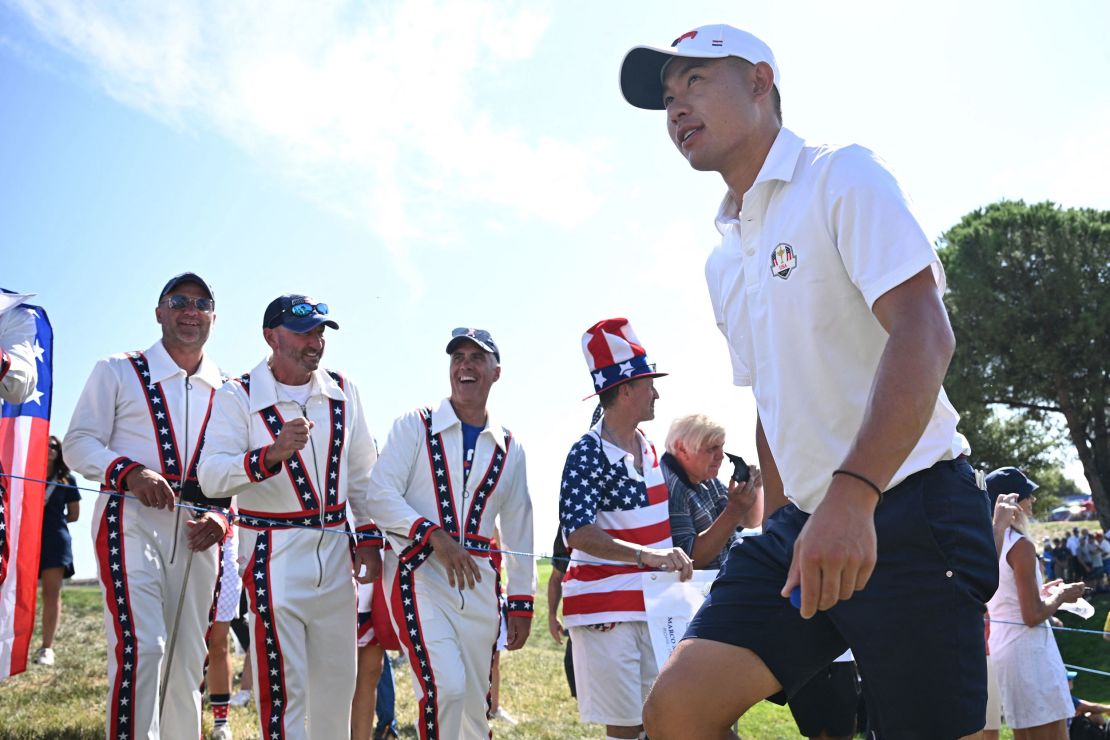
[[614, 355], [600, 486], [24, 436]]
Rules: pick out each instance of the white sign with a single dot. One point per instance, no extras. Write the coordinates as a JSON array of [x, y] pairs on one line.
[[670, 605]]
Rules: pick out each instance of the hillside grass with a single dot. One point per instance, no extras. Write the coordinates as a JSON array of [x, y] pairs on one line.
[[67, 700]]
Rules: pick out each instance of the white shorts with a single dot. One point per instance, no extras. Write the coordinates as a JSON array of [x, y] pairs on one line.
[[613, 671], [231, 583]]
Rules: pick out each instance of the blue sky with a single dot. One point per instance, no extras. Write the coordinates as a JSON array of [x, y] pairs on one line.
[[424, 165]]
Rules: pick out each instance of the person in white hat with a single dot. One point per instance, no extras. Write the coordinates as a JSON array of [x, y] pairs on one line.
[[828, 293], [614, 513]]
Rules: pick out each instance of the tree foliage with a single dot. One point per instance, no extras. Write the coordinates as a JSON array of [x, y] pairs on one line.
[[1027, 294]]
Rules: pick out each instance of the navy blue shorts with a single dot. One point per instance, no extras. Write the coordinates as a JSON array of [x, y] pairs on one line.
[[917, 628]]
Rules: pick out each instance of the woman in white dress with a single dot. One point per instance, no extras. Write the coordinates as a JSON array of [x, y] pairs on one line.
[[1031, 674]]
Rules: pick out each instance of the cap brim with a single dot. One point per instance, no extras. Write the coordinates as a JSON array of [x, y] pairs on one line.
[[642, 73], [622, 382], [302, 324], [456, 341]]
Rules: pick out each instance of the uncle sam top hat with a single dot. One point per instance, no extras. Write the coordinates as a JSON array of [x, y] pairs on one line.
[[614, 355]]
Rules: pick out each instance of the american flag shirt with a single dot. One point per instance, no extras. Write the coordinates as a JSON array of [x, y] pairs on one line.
[[601, 486]]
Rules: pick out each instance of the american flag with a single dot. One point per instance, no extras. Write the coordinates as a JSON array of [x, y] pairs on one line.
[[24, 433]]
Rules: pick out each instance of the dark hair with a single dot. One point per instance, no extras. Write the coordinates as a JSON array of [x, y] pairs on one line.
[[60, 471], [608, 397]]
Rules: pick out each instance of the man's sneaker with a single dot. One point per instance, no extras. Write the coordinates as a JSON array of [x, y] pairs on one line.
[[223, 732], [501, 715], [240, 698], [45, 656]]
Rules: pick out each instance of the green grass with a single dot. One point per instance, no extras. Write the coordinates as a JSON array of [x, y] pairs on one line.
[[67, 701]]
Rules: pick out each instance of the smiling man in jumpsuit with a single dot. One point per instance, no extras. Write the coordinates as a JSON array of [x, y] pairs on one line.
[[289, 439], [445, 476]]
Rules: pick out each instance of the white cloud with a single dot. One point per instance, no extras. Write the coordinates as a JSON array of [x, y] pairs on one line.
[[375, 111]]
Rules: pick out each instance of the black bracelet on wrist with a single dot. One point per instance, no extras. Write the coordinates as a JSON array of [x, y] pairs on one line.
[[865, 479]]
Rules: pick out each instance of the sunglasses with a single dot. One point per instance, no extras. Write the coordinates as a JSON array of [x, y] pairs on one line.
[[181, 302], [307, 309]]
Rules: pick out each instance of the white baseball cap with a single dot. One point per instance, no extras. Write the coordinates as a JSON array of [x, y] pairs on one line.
[[642, 69]]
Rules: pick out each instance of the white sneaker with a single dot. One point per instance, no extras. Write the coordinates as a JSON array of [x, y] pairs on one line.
[[45, 656], [240, 698], [502, 715], [223, 732]]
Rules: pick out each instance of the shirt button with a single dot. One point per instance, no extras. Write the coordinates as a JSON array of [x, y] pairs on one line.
[[948, 574]]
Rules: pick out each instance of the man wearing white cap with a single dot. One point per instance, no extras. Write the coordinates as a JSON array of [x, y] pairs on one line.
[[829, 295], [615, 516], [445, 477]]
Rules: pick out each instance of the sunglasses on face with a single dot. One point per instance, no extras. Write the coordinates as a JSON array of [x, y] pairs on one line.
[[181, 302], [307, 309]]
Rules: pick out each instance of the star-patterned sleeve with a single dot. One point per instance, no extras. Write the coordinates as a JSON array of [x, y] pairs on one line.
[[85, 446], [18, 355], [225, 466], [579, 494]]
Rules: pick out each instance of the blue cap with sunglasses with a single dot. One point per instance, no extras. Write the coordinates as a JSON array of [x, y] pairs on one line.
[[296, 313], [480, 337], [186, 277]]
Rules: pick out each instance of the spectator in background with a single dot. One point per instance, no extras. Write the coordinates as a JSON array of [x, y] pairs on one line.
[[1061, 555], [1035, 699], [1089, 715], [62, 505], [1048, 559], [705, 516], [560, 562], [1073, 542], [1091, 557], [1104, 548]]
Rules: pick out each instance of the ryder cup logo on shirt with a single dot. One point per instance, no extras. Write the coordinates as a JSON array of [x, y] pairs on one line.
[[783, 260]]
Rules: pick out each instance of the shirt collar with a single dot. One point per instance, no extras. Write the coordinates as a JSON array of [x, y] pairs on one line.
[[781, 161], [676, 468], [264, 386], [444, 417], [616, 453], [163, 367]]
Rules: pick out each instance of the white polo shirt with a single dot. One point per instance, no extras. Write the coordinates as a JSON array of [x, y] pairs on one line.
[[825, 231]]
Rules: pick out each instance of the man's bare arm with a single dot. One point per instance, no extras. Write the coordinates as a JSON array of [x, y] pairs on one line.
[[835, 553]]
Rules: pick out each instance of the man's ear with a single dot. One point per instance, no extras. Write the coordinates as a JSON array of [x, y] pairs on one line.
[[763, 79]]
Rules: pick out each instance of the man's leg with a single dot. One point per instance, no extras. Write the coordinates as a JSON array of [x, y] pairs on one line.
[[330, 616], [133, 593], [219, 672], [195, 593], [689, 699], [370, 659]]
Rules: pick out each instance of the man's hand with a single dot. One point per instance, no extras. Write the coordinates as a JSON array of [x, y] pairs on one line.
[[555, 627], [674, 559], [368, 563], [835, 552], [742, 496], [519, 628], [291, 439], [462, 569], [150, 488], [203, 532]]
